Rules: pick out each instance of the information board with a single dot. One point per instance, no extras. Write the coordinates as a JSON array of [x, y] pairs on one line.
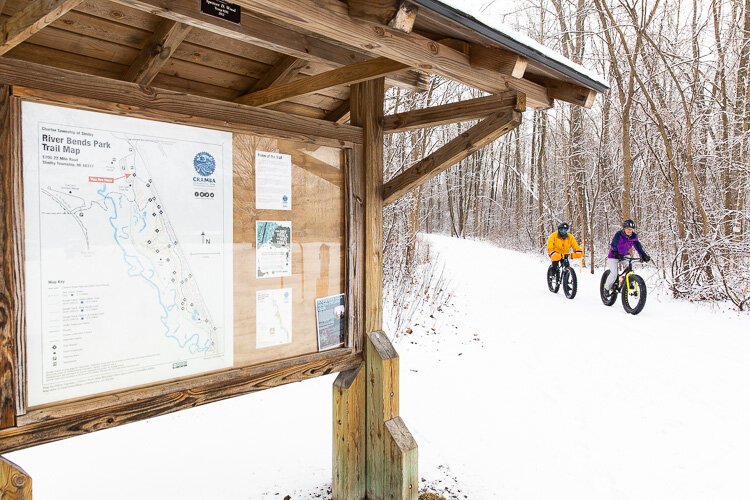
[[129, 235]]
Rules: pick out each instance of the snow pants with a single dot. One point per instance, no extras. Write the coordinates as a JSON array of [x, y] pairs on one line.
[[612, 266]]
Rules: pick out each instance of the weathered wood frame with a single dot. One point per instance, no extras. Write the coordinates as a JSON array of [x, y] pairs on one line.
[[21, 428]]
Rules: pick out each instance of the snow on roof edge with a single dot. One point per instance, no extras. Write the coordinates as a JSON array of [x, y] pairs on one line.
[[472, 12]]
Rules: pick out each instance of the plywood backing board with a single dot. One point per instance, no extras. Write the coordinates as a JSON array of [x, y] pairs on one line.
[[317, 218]]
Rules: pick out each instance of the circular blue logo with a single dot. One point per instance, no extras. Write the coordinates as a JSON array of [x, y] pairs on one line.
[[204, 164]]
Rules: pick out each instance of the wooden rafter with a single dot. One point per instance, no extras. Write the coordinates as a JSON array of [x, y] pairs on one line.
[[451, 113], [167, 36], [341, 76], [568, 92], [341, 114], [377, 11], [35, 16], [284, 70], [492, 58], [267, 35], [313, 165], [497, 59], [405, 17], [327, 18], [176, 106], [456, 150]]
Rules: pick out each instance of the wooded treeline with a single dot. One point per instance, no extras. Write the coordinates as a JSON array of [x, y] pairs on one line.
[[668, 145]]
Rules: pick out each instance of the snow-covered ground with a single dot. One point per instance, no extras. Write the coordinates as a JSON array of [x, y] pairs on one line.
[[511, 392]]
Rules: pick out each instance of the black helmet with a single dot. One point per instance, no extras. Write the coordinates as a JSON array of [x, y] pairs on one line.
[[628, 223], [562, 229]]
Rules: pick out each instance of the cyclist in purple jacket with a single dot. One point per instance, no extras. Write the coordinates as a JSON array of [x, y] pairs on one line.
[[622, 242]]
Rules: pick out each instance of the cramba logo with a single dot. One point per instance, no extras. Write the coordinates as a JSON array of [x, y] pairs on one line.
[[205, 165]]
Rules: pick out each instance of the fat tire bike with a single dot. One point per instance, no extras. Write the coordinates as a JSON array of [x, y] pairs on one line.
[[563, 275], [630, 286]]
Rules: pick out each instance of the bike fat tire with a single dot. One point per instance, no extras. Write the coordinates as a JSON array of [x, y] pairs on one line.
[[553, 279], [639, 286], [608, 298], [570, 283]]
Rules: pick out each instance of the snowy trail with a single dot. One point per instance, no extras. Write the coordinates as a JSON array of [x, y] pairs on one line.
[[572, 399], [520, 395]]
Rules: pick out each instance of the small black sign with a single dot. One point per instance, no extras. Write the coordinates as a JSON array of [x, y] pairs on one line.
[[221, 9]]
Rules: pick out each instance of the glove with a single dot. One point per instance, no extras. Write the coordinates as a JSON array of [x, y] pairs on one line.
[[618, 255], [552, 256], [645, 258]]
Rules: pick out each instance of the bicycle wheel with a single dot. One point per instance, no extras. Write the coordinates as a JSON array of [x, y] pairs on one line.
[[553, 279], [608, 296], [634, 299], [569, 283]]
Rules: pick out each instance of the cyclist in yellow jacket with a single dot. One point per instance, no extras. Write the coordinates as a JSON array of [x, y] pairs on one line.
[[561, 243]]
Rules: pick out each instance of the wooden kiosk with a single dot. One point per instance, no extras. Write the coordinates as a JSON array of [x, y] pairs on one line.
[[140, 142]]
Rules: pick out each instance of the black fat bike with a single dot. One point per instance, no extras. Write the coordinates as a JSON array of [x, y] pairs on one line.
[[629, 285], [563, 275]]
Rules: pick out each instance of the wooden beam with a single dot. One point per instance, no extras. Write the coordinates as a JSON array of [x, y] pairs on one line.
[[327, 18], [310, 164], [262, 33], [568, 92], [8, 286], [128, 98], [2, 6], [355, 254], [405, 17], [341, 76], [341, 114], [15, 483], [167, 36], [450, 113], [49, 424], [456, 150], [349, 432], [35, 16], [497, 59], [376, 11], [284, 70], [367, 111]]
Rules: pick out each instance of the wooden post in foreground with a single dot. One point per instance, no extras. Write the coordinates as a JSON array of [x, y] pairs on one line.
[[391, 449], [15, 484], [349, 435]]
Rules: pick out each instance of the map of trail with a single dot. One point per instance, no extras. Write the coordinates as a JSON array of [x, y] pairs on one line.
[[129, 251], [150, 247]]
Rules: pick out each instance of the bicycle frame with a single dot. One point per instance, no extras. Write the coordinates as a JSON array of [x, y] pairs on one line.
[[627, 272]]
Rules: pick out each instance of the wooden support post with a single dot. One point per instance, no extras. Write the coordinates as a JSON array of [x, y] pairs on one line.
[[15, 484], [402, 477], [390, 452], [349, 435], [391, 449]]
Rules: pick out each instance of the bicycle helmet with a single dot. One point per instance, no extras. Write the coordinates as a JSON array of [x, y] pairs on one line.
[[628, 223], [562, 229]]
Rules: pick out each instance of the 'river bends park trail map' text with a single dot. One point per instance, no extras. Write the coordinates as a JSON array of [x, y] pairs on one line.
[[128, 251]]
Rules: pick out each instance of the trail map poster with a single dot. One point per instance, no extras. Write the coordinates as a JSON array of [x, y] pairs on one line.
[[273, 317], [128, 251]]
